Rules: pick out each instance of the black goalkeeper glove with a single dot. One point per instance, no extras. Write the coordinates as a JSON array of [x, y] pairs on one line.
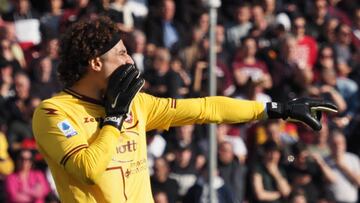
[[124, 83], [306, 110]]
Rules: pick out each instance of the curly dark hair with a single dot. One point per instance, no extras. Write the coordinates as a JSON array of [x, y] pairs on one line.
[[82, 42]]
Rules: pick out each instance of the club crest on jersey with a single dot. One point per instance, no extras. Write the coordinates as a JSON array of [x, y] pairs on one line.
[[129, 118], [66, 128]]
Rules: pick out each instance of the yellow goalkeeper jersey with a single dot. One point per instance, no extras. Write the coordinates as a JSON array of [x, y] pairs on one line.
[[91, 163]]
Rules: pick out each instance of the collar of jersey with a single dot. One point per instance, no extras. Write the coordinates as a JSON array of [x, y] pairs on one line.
[[83, 97]]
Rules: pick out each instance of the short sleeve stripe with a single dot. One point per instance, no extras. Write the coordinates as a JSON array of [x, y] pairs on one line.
[[173, 103]]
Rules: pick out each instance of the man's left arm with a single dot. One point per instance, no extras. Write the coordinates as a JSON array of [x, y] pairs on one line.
[[217, 109]]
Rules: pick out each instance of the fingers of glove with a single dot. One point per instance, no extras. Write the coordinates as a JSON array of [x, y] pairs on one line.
[[313, 122], [316, 104], [135, 87], [120, 73], [325, 107], [301, 112], [321, 104], [122, 85], [308, 101], [130, 78]]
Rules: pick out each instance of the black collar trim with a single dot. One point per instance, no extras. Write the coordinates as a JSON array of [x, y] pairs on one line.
[[83, 97]]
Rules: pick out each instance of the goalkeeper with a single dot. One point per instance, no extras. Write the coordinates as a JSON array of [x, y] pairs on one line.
[[92, 134]]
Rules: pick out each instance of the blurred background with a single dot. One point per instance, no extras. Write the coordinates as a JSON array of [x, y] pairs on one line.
[[267, 50]]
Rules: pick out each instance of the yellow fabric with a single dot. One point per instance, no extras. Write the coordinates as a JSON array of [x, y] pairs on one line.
[[217, 110], [90, 164], [6, 163]]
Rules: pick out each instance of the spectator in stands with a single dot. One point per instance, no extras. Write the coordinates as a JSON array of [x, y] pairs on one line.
[[356, 28], [266, 32], [160, 180], [305, 174], [185, 78], [223, 74], [318, 18], [27, 24], [21, 10], [183, 170], [50, 48], [7, 55], [343, 48], [246, 65], [268, 178], [26, 184], [328, 34], [231, 171], [82, 9], [297, 196], [321, 144], [237, 142], [185, 138], [200, 192], [160, 197], [276, 131], [335, 74], [138, 50], [326, 88], [18, 111], [162, 80], [345, 167], [335, 11], [259, 18], [121, 13], [203, 23], [43, 77], [290, 80], [6, 74], [193, 52], [306, 51], [156, 145], [51, 20], [341, 90], [166, 31], [240, 26], [8, 33]]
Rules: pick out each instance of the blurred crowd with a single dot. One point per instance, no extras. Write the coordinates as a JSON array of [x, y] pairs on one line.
[[267, 50]]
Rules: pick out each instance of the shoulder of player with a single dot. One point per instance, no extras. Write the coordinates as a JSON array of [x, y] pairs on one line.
[[142, 97], [51, 106]]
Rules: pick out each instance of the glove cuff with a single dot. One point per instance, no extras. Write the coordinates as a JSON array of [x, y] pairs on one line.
[[276, 110], [115, 121]]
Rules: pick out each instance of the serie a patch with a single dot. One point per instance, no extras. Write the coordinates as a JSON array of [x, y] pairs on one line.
[[66, 128]]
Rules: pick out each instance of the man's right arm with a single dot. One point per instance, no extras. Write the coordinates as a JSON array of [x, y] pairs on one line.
[[64, 142]]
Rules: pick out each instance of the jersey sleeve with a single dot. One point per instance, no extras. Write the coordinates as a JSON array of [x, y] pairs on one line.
[[63, 141], [6, 163], [158, 112], [217, 109], [166, 112]]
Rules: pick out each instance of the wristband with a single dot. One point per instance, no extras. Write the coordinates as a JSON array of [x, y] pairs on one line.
[[115, 121], [275, 110]]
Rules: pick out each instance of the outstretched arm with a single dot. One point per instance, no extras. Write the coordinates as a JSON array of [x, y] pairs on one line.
[[217, 109], [228, 110]]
